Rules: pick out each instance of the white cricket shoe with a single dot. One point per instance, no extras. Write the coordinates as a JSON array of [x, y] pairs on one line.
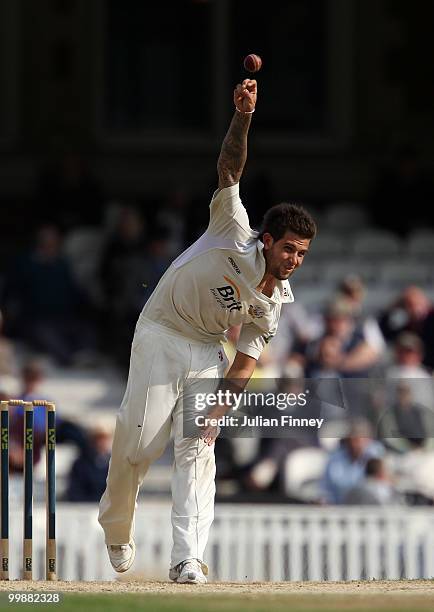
[[121, 555], [189, 571]]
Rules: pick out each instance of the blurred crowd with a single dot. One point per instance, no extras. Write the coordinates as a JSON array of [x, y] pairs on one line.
[[374, 384], [73, 294], [379, 451]]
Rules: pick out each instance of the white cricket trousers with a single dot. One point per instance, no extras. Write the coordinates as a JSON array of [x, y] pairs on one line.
[[164, 368]]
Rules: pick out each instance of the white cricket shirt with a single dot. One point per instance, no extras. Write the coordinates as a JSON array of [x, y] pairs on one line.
[[211, 286]]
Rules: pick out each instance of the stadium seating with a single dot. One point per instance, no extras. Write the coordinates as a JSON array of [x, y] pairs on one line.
[[328, 244], [373, 243], [345, 217], [401, 273], [302, 472], [421, 243]]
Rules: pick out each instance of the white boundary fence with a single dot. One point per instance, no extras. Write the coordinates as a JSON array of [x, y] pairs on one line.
[[249, 542]]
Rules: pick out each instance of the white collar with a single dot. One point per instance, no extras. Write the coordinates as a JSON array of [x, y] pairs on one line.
[[286, 294]]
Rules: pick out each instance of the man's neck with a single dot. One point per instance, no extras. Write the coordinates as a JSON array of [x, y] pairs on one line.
[[267, 284]]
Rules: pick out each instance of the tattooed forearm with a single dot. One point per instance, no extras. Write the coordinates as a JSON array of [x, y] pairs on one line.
[[233, 153]]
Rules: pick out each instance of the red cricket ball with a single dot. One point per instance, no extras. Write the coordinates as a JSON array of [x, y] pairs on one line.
[[252, 62]]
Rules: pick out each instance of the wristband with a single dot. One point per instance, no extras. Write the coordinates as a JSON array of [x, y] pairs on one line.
[[245, 112]]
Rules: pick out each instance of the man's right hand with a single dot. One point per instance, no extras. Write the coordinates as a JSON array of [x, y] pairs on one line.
[[245, 95]]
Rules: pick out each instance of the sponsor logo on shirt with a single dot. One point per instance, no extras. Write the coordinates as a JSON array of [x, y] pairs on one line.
[[228, 296], [256, 311], [234, 265], [286, 292]]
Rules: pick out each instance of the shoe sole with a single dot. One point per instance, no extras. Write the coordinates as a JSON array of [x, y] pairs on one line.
[[122, 569], [197, 580]]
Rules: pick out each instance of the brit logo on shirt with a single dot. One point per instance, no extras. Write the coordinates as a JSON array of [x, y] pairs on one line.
[[228, 296]]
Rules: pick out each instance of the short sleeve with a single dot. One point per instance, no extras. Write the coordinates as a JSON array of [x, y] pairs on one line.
[[251, 341], [228, 217]]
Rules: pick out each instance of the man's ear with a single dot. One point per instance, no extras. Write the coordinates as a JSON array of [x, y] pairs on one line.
[[268, 241]]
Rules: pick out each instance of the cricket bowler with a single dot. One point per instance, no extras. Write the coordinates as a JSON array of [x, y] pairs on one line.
[[231, 275]]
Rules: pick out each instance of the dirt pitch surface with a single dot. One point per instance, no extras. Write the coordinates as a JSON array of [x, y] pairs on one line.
[[407, 588], [138, 595]]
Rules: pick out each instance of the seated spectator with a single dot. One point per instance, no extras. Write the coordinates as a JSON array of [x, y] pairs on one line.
[[376, 488], [352, 291], [407, 365], [354, 356], [296, 328], [412, 312], [414, 473], [328, 359], [87, 479], [346, 465], [50, 311], [405, 421], [33, 376]]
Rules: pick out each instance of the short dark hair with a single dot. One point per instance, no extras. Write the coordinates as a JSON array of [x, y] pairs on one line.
[[287, 217]]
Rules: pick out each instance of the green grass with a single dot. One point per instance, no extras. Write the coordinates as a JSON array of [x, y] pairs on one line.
[[231, 603]]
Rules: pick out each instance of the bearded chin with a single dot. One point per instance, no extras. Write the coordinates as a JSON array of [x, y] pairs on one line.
[[283, 277], [279, 276]]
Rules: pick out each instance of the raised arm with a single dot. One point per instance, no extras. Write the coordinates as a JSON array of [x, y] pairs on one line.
[[233, 153]]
